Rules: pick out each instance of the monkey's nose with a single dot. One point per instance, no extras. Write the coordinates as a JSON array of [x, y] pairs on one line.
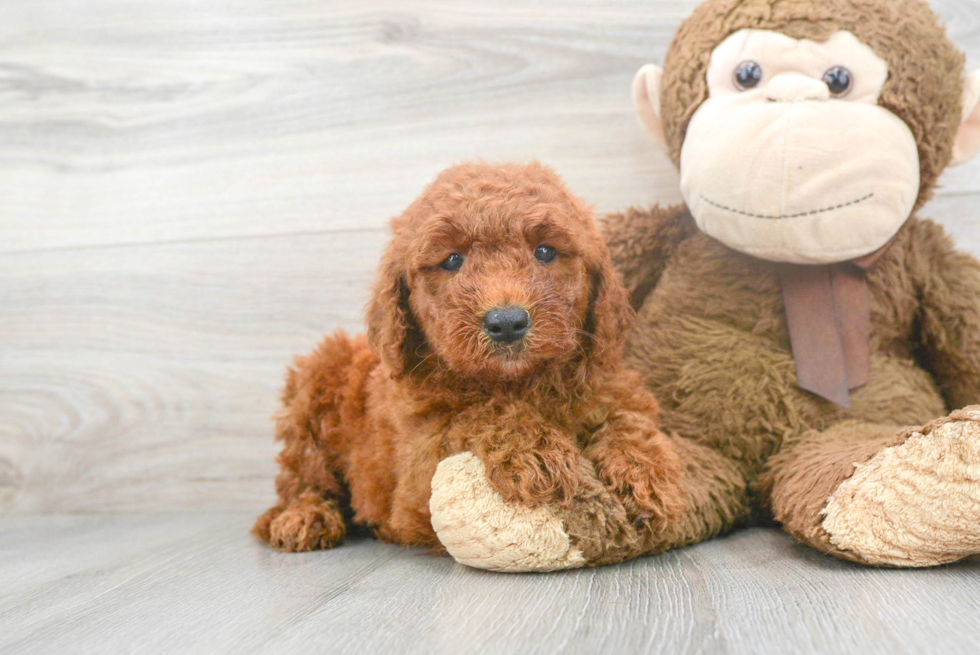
[[796, 87], [506, 324]]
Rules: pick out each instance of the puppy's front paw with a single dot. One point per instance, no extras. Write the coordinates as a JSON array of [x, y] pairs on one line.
[[645, 474], [534, 477], [306, 524], [480, 529]]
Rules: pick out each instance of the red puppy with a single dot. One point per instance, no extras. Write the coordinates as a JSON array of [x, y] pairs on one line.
[[496, 326]]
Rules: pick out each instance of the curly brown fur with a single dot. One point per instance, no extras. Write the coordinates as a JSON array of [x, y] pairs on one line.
[[365, 426]]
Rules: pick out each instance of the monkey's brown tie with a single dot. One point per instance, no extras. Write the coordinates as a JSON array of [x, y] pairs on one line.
[[829, 315]]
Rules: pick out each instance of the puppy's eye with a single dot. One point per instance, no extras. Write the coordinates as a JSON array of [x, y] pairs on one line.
[[452, 263], [748, 75], [544, 254]]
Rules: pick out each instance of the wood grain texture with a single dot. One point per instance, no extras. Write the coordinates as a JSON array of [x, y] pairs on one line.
[[197, 583], [192, 192]]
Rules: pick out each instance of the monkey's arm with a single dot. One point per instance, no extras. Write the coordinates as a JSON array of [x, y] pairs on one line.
[[641, 242], [949, 315]]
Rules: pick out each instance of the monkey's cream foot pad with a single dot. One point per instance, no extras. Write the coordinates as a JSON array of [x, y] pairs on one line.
[[915, 504], [481, 530]]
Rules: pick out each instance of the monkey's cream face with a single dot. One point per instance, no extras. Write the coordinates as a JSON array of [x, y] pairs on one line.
[[791, 159]]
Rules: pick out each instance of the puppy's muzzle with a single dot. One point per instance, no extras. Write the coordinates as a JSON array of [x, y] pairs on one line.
[[506, 324]]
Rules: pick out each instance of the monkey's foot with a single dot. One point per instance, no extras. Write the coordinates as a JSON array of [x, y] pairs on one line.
[[916, 504], [480, 529]]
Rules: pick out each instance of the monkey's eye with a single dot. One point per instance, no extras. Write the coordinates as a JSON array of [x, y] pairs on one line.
[[839, 80], [544, 254], [452, 263], [748, 75]]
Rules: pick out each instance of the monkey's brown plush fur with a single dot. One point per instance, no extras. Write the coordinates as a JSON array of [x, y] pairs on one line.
[[711, 336], [711, 341], [366, 421]]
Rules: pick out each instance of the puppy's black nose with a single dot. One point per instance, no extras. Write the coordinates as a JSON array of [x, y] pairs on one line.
[[506, 324]]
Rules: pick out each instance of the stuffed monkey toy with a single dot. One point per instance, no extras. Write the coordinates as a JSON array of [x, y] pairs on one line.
[[815, 345]]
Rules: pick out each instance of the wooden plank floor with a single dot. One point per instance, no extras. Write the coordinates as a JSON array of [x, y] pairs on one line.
[[198, 583]]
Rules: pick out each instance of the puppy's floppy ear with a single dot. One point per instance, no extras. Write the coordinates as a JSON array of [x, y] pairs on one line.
[[392, 330], [610, 314]]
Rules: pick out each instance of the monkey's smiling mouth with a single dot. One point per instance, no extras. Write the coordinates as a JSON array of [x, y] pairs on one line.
[[800, 215]]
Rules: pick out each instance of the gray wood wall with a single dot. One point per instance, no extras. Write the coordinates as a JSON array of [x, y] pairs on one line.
[[191, 192]]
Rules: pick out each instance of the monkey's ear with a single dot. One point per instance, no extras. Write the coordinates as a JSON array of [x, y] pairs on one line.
[[646, 100], [967, 143]]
